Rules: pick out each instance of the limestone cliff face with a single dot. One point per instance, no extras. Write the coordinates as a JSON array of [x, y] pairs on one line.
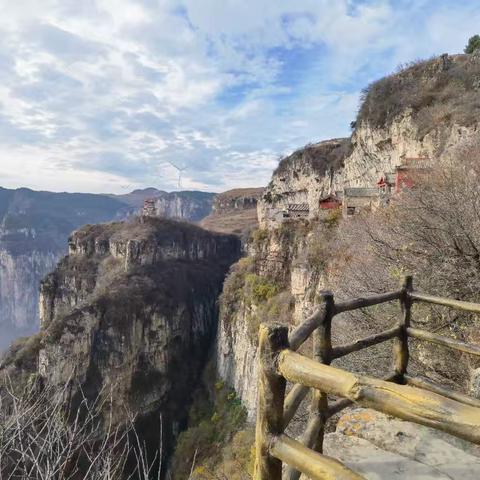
[[304, 177], [422, 111], [378, 150], [326, 167], [133, 310], [190, 206], [277, 262], [20, 276]]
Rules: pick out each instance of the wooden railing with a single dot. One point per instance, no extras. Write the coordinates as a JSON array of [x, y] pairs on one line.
[[413, 399]]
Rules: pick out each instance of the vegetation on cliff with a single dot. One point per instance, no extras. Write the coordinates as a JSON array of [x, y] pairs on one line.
[[218, 442], [319, 157], [439, 92]]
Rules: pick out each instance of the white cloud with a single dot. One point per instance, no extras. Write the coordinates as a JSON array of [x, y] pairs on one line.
[[99, 94]]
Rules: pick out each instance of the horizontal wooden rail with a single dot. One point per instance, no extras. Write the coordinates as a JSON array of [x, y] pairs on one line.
[[432, 387], [305, 329], [315, 465], [342, 403], [367, 301], [343, 350], [446, 302], [408, 403], [292, 402], [442, 340]]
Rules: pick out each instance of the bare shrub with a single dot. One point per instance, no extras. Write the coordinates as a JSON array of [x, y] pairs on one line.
[[432, 232], [435, 93], [41, 438]]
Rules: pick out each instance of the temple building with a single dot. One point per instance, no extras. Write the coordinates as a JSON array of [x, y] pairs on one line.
[[149, 209]]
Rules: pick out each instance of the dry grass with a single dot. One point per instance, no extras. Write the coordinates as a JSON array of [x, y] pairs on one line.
[[319, 157], [237, 222], [436, 94]]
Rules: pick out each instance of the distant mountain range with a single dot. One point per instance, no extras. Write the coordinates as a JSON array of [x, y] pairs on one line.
[[34, 228]]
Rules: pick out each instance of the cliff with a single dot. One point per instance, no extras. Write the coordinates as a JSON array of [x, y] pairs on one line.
[[132, 310], [428, 109], [424, 110], [34, 227], [191, 206]]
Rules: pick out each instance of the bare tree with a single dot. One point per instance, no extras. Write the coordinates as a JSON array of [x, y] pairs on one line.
[[42, 438], [433, 232]]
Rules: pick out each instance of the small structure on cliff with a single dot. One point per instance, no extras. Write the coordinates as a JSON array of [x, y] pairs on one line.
[[149, 209], [331, 201], [357, 200], [409, 171], [387, 182], [298, 210], [293, 211], [404, 176]]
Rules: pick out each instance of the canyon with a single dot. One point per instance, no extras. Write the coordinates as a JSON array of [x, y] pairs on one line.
[[34, 227], [130, 314]]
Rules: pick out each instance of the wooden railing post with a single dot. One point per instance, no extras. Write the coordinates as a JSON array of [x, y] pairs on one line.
[[271, 395], [401, 351], [322, 348]]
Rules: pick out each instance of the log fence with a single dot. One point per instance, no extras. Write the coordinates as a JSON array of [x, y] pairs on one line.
[[399, 394]]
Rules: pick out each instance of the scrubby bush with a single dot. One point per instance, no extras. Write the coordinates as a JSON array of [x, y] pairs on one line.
[[436, 91], [473, 44], [432, 232], [259, 236], [259, 289], [213, 425]]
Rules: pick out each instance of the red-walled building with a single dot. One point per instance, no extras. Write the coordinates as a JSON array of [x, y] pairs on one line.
[[405, 175], [330, 202]]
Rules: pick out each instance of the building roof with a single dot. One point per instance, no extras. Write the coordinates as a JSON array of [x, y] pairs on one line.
[[331, 196], [298, 207], [361, 192]]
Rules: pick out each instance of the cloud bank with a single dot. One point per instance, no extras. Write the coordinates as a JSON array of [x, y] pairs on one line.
[[101, 95]]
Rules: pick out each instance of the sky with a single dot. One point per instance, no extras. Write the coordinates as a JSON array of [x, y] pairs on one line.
[[114, 95]]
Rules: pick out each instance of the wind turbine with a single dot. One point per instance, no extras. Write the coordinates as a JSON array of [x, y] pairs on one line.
[[180, 171]]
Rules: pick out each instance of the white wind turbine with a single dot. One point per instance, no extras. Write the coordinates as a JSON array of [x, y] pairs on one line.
[[180, 171]]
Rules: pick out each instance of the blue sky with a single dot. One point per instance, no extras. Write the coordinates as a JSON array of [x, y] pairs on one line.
[[100, 95]]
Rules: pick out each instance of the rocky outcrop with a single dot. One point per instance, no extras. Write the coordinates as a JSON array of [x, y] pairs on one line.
[[34, 227], [130, 314], [304, 177], [189, 206], [423, 111], [377, 446]]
